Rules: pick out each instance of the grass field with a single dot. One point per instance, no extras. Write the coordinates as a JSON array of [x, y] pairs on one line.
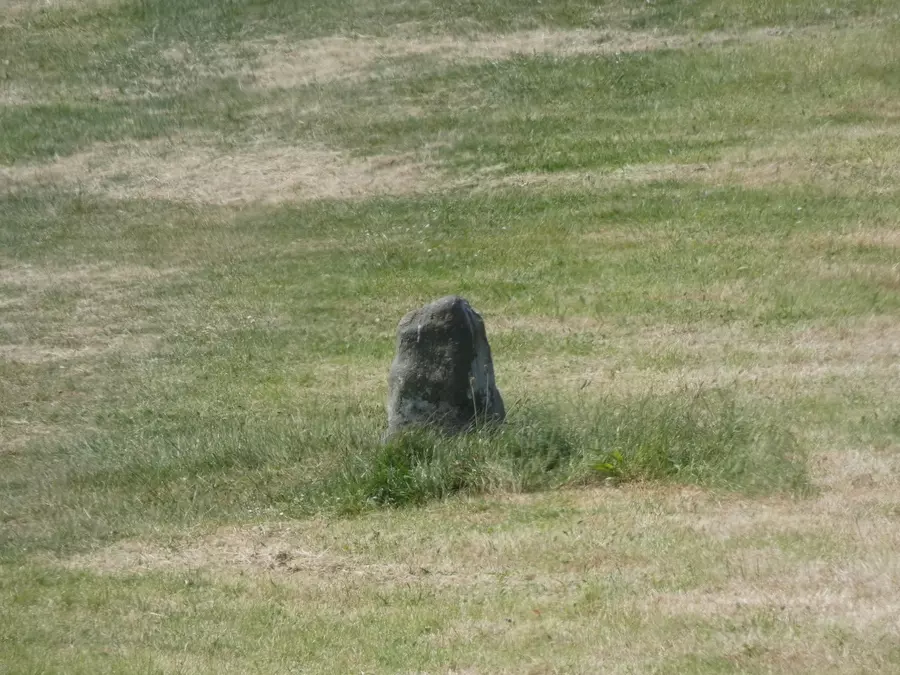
[[680, 221]]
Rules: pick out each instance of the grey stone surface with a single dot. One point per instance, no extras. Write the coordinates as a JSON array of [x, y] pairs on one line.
[[442, 375]]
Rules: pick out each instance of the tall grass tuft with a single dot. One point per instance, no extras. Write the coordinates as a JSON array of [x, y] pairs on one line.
[[706, 439]]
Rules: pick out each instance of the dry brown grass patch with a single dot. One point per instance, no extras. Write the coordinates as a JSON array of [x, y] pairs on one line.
[[861, 341], [261, 548], [885, 275], [306, 552], [549, 325], [286, 63], [803, 567], [12, 95], [18, 433], [875, 339], [846, 178], [93, 328], [720, 173], [636, 361], [596, 180], [830, 157], [39, 278], [94, 343], [282, 62], [850, 578], [197, 171], [11, 10], [619, 376], [852, 581], [871, 237], [860, 593]]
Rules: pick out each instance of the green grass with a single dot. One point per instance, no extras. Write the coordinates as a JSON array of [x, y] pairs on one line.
[[165, 471], [659, 106], [682, 238], [691, 438]]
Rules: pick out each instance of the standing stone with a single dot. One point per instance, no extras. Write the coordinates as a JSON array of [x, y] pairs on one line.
[[443, 374]]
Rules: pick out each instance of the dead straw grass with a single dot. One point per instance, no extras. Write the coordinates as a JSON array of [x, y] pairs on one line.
[[196, 171]]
